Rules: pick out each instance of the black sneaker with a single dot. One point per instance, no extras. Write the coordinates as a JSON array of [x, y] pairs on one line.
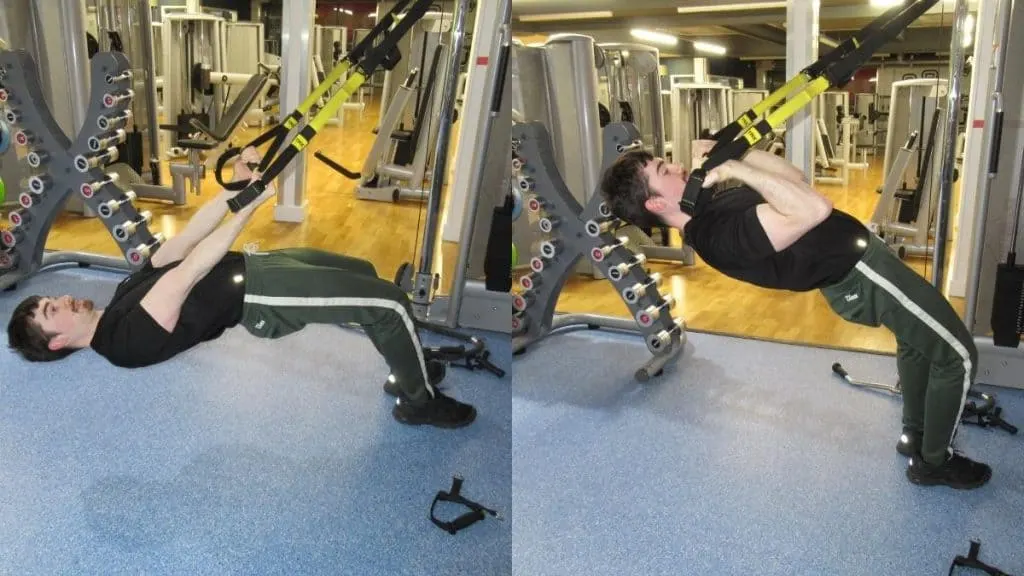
[[909, 442], [957, 471], [435, 371], [440, 411]]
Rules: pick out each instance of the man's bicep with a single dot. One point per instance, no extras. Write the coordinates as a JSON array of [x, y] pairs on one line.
[[163, 301]]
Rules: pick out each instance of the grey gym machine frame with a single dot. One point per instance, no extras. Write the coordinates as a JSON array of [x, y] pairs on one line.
[[573, 231], [64, 167]]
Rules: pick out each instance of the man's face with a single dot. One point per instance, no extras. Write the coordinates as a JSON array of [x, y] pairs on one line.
[[65, 317], [667, 183]]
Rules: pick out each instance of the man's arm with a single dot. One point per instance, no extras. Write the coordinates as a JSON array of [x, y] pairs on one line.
[[793, 208], [163, 301], [769, 162], [205, 220]]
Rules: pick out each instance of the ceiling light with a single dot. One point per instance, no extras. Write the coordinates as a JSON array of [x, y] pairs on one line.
[[709, 48], [655, 37], [347, 11], [565, 16], [729, 7]]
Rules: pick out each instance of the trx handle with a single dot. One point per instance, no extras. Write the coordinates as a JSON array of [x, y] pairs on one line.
[[280, 132], [476, 511]]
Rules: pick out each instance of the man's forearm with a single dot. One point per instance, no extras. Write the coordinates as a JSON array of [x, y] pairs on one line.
[[216, 244], [768, 162], [206, 219], [793, 199]]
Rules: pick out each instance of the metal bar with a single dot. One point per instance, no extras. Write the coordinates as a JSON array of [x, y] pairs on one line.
[[473, 200], [149, 67], [956, 72], [458, 35]]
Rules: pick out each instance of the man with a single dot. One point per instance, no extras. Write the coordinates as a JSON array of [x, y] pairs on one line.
[[194, 288], [773, 230]]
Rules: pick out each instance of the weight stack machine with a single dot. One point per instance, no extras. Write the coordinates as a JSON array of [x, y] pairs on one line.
[[571, 231], [60, 168]]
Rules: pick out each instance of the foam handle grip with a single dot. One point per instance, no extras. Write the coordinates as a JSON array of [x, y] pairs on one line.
[[838, 369], [1006, 305], [997, 140], [245, 197]]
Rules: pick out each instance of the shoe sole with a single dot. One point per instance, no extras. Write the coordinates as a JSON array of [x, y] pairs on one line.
[[924, 481], [404, 419]]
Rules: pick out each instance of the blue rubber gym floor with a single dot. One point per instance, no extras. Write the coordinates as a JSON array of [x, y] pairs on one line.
[[241, 456], [744, 457]]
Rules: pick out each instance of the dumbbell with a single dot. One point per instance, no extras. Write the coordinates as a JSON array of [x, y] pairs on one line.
[[10, 238], [520, 302], [636, 291], [8, 261], [549, 223], [622, 148], [40, 183], [531, 281], [536, 204], [12, 116], [104, 141], [604, 210], [111, 99], [526, 183], [37, 158], [537, 263], [114, 121], [122, 77], [24, 138], [550, 248], [599, 253], [26, 200], [649, 315], [595, 228], [519, 322], [4, 95], [124, 231], [619, 271], [85, 163], [110, 207], [517, 163], [655, 342], [138, 254], [19, 218], [89, 189]]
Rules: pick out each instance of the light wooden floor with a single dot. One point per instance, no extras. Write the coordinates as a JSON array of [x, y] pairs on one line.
[[389, 234], [385, 233]]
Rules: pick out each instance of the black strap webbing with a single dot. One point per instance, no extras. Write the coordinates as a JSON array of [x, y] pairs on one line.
[[476, 513]]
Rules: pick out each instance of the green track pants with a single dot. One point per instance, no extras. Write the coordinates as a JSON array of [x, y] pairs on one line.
[[287, 289], [936, 356]]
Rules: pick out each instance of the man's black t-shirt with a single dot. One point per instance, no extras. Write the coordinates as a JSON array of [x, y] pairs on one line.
[[129, 337], [727, 234]]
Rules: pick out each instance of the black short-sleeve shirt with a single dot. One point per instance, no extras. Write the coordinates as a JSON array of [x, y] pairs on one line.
[[129, 337], [727, 234]]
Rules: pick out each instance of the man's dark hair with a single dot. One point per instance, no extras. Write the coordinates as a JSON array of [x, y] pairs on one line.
[[625, 189], [26, 336]]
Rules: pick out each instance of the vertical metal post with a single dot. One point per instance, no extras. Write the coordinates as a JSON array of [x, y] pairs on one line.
[[72, 28], [296, 54], [956, 72], [424, 277], [801, 51], [993, 133], [149, 70], [469, 225]]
